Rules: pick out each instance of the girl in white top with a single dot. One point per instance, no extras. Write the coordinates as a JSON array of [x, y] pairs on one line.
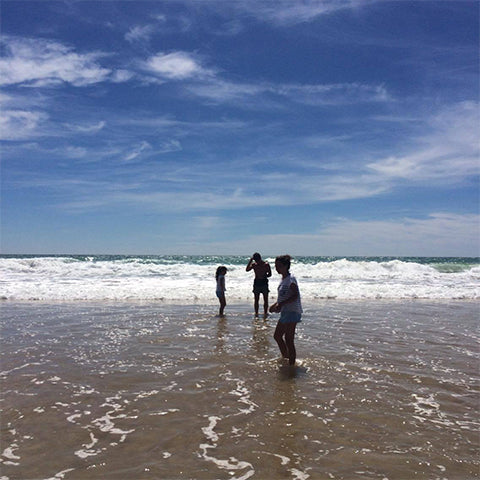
[[290, 307], [220, 277]]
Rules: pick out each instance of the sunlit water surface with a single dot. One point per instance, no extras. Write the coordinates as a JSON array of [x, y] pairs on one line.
[[383, 389]]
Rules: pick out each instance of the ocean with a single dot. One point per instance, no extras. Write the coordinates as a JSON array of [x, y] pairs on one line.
[[187, 279], [117, 367]]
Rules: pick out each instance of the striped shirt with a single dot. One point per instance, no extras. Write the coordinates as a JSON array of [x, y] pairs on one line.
[[284, 293]]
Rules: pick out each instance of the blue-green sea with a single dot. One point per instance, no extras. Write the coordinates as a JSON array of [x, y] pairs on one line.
[[188, 279]]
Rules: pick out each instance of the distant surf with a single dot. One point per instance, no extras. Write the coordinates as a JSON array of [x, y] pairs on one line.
[[185, 279]]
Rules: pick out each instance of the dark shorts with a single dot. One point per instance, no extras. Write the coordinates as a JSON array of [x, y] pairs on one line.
[[260, 285]]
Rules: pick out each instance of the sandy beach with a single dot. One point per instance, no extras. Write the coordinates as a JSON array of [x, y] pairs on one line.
[[385, 389]]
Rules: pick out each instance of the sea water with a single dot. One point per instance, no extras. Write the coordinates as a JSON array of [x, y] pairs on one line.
[[186, 279], [118, 368], [129, 390]]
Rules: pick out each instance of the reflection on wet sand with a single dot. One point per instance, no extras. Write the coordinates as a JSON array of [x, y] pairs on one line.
[[381, 390]]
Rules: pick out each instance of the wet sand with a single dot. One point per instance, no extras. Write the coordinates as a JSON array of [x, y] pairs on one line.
[[130, 390]]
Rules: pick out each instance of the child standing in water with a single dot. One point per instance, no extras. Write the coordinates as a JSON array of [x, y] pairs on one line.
[[220, 276], [290, 308]]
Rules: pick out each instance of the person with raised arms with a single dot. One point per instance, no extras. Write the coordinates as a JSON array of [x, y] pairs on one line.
[[260, 283]]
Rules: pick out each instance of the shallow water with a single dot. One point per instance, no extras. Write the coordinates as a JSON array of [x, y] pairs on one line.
[[132, 390]]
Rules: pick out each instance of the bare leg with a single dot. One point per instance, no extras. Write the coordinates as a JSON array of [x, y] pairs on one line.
[[257, 298], [265, 305], [223, 304], [289, 340], [278, 336]]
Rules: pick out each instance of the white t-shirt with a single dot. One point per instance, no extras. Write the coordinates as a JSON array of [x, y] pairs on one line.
[[284, 293], [221, 283]]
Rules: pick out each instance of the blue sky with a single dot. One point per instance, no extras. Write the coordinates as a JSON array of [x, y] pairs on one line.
[[334, 127]]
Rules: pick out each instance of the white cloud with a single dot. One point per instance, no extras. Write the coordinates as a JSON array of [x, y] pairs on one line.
[[20, 124], [140, 33], [88, 128], [176, 66], [208, 222], [440, 234], [160, 18], [73, 152], [313, 187], [121, 75], [169, 146], [223, 91], [136, 152], [448, 151], [334, 94], [220, 90], [39, 62], [210, 191], [286, 12]]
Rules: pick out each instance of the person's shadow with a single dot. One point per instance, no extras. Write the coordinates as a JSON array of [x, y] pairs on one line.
[[287, 372]]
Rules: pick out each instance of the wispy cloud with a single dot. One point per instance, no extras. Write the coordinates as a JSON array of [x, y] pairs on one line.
[[207, 83], [163, 147], [140, 33], [159, 24], [169, 146], [20, 124], [285, 12], [447, 235], [334, 94], [448, 151], [72, 152], [40, 62], [97, 127], [206, 186], [48, 63], [239, 14], [137, 151], [222, 91]]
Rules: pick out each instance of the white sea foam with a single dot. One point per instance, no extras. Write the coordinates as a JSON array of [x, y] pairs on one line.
[[9, 452], [60, 475], [299, 475], [189, 279], [88, 450], [232, 464]]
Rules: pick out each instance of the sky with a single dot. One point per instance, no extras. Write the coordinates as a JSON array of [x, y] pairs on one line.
[[309, 127]]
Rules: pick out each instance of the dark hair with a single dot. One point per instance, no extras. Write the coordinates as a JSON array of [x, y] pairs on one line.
[[284, 260], [257, 257], [220, 270]]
